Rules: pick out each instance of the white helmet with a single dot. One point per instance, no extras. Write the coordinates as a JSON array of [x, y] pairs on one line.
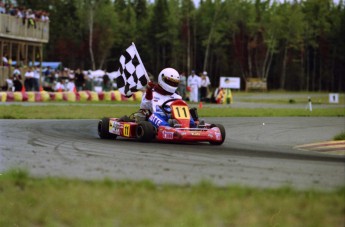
[[169, 79]]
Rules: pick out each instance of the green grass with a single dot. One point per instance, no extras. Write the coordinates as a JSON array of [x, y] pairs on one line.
[[283, 97], [270, 112], [95, 111], [27, 201], [340, 136]]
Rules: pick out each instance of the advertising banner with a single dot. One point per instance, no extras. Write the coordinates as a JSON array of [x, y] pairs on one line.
[[230, 82]]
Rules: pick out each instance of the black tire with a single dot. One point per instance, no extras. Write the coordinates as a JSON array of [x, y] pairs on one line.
[[103, 129], [222, 132], [145, 131]]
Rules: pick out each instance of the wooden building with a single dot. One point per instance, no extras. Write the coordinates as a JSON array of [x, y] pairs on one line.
[[20, 41]]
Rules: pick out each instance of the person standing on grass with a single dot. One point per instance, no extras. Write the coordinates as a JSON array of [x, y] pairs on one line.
[[193, 83], [204, 86]]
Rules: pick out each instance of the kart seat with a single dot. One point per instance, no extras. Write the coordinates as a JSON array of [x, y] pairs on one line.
[[126, 119]]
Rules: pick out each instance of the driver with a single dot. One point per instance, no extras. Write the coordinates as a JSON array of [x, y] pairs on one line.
[[157, 94]]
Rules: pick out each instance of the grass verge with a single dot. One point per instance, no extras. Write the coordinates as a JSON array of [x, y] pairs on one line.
[[26, 201], [340, 136], [99, 111]]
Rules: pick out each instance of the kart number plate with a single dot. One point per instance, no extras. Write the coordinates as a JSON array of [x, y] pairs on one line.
[[181, 112], [126, 130]]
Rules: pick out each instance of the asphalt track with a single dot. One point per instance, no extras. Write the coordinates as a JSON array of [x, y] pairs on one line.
[[258, 152]]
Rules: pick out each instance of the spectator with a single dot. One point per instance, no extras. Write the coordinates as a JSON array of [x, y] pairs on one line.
[[17, 82], [106, 83], [204, 86], [49, 76], [69, 85], [9, 84], [5, 60], [28, 83], [30, 16], [79, 79], [70, 74], [89, 85], [36, 79], [2, 8], [20, 14], [59, 87], [17, 79], [16, 70], [12, 10], [45, 16], [193, 83]]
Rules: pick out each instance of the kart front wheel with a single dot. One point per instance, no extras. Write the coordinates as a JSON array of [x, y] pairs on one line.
[[222, 132], [103, 129], [145, 131]]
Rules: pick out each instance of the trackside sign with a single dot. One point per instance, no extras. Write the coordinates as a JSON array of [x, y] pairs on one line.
[[230, 82]]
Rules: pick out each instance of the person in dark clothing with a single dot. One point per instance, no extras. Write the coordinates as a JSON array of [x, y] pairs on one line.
[[79, 79], [29, 75], [17, 83], [106, 85]]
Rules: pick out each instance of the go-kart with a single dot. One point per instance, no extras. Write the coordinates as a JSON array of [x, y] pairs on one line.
[[178, 129]]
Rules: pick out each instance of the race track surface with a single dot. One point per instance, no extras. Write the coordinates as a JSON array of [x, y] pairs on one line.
[[258, 152]]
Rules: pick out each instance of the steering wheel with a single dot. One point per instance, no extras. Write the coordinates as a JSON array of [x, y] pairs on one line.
[[164, 106]]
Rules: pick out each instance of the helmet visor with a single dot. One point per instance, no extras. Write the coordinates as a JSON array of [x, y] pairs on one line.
[[171, 81]]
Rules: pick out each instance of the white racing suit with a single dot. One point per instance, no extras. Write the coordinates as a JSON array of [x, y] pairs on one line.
[[158, 117], [194, 83]]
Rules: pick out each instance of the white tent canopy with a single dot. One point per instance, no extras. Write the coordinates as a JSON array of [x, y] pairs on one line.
[[99, 73]]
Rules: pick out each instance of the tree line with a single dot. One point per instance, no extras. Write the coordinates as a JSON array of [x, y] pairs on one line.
[[293, 45]]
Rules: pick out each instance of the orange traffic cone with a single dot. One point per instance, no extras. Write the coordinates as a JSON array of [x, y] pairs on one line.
[[41, 88], [23, 89], [200, 105]]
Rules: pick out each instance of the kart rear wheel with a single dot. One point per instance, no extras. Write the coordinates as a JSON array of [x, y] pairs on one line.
[[103, 129], [145, 131], [222, 132]]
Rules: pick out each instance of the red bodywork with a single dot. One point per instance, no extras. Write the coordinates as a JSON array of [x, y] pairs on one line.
[[179, 133]]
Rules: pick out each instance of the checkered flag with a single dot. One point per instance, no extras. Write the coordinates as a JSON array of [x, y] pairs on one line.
[[131, 75]]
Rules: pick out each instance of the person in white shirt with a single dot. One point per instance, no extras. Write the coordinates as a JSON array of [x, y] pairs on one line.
[[193, 83], [70, 86], [2, 8], [5, 61], [59, 87], [36, 79], [16, 71], [45, 16], [30, 16], [204, 84]]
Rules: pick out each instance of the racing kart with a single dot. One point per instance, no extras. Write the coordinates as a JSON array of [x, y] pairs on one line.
[[179, 129]]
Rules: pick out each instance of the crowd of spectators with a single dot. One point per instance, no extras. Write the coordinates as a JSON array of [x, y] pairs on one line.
[[76, 80], [33, 79], [61, 80], [22, 12]]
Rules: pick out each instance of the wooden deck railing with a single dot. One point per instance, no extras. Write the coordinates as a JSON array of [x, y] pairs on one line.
[[16, 28]]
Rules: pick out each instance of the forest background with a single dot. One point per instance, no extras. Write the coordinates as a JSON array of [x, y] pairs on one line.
[[293, 45]]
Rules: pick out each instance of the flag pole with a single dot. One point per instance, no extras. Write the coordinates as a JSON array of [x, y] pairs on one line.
[[146, 75]]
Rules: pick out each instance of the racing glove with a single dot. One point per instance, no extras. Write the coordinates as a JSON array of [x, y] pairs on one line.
[[150, 85]]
